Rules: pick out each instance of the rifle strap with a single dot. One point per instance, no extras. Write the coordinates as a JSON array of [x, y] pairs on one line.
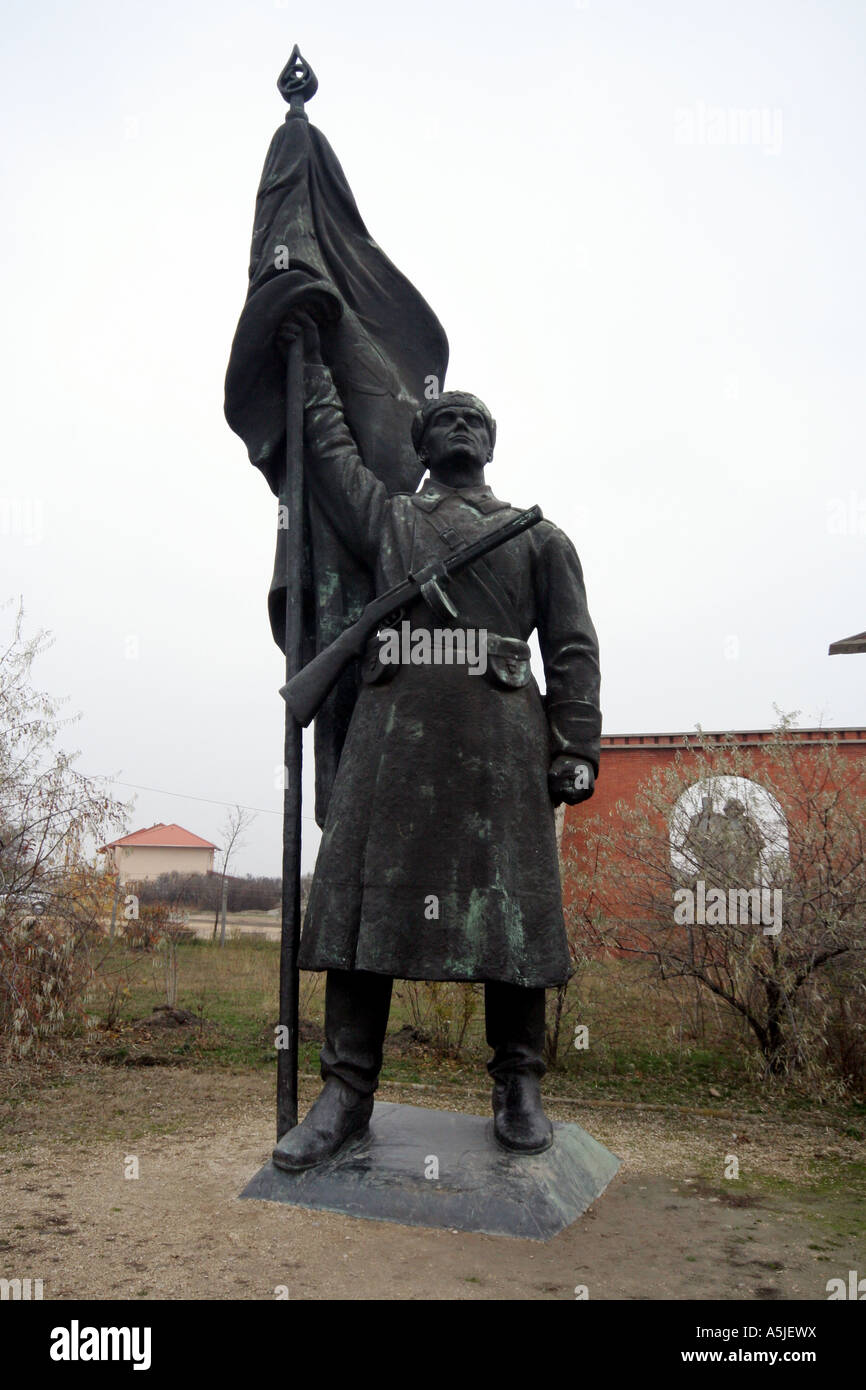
[[488, 579]]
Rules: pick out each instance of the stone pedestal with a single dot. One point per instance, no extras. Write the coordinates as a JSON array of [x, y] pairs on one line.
[[389, 1175]]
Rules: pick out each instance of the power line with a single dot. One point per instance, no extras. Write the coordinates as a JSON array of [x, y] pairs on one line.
[[184, 796]]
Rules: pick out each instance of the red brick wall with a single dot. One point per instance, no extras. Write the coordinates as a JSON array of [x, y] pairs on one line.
[[628, 759]]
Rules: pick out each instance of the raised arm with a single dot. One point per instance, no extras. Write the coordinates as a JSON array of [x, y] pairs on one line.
[[352, 497]]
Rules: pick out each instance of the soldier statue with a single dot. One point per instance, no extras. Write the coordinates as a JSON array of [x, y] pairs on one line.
[[439, 858]]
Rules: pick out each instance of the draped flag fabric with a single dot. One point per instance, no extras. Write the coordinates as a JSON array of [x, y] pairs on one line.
[[385, 348]]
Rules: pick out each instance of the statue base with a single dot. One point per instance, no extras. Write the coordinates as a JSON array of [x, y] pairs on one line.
[[420, 1167]]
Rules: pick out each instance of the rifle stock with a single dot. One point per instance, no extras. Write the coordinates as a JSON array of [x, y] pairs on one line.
[[306, 692]]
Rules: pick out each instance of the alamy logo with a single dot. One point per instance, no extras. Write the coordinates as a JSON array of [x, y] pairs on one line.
[[435, 647], [855, 1288], [76, 1343], [22, 516], [736, 125], [20, 1290], [713, 907]]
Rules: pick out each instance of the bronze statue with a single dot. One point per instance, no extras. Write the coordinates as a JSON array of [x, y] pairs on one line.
[[438, 763], [438, 858]]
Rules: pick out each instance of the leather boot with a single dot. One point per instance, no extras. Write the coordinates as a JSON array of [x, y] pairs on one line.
[[519, 1121], [338, 1115], [356, 1016], [515, 1031]]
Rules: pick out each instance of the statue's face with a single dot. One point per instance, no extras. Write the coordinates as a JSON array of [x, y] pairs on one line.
[[457, 435]]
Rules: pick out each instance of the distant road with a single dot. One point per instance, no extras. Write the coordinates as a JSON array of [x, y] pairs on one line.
[[249, 923]]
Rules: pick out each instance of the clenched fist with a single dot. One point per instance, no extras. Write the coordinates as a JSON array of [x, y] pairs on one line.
[[302, 323], [571, 780]]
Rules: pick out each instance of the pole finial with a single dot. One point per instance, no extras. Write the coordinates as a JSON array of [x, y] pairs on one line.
[[297, 82]]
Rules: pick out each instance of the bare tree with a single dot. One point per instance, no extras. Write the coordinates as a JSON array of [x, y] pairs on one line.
[[52, 899], [236, 823]]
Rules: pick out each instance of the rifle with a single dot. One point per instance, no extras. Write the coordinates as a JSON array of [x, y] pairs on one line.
[[306, 692]]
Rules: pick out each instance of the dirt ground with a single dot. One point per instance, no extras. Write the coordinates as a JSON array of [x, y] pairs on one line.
[[664, 1228]]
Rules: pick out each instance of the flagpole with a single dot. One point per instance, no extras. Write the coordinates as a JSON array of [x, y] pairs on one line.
[[293, 501], [302, 180], [296, 82]]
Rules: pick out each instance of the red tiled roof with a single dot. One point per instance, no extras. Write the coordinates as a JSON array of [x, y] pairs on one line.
[[163, 837]]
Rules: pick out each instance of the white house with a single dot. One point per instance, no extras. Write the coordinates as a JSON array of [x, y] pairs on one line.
[[161, 849]]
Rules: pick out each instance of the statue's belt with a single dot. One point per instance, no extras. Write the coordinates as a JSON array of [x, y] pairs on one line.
[[507, 668], [507, 658]]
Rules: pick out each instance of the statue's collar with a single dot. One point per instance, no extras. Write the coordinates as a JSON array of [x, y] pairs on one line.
[[431, 494]]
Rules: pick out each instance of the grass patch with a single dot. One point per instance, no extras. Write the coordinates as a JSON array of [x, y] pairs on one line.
[[647, 1043]]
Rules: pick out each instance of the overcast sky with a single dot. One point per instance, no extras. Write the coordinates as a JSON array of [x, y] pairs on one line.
[[660, 296]]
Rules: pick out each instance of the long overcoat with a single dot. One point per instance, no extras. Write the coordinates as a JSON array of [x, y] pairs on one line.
[[438, 858]]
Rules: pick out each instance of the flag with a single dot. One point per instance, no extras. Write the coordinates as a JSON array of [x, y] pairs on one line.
[[386, 349]]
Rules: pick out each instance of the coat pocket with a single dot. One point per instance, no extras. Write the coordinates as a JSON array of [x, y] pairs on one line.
[[507, 662]]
